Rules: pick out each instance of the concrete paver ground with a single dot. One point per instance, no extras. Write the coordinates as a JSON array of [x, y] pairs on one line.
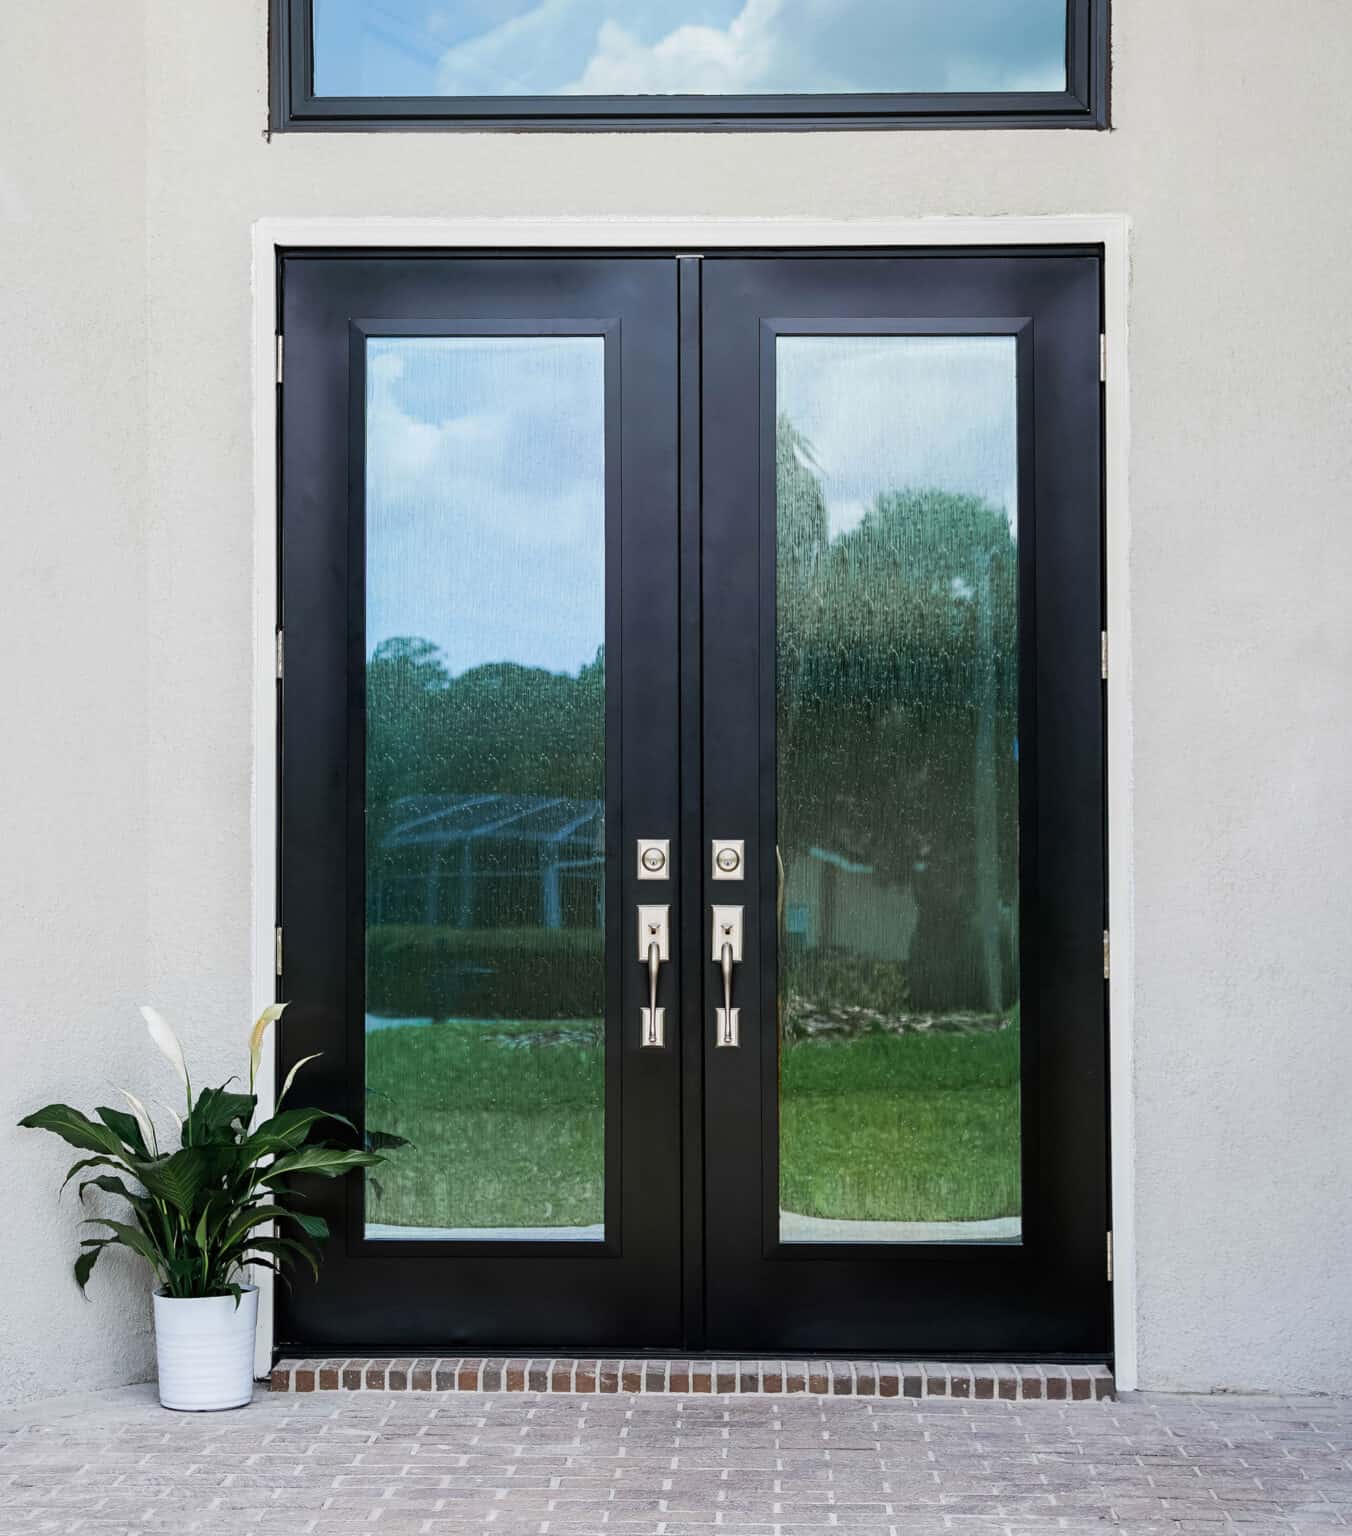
[[427, 1464]]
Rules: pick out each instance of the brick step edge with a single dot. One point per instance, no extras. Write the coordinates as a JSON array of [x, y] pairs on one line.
[[818, 1378]]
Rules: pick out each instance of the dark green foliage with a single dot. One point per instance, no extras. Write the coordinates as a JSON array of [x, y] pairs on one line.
[[195, 1212], [77, 1129], [845, 978], [897, 713], [485, 973], [499, 728]]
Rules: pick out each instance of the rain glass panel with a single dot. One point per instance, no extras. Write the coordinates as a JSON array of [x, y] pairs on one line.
[[485, 773], [898, 747], [663, 47]]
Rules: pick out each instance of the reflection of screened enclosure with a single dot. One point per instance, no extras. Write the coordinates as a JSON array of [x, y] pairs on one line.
[[490, 861]]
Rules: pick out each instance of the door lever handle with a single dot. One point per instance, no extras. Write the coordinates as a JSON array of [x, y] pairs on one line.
[[653, 1016], [654, 946], [729, 1018], [727, 951]]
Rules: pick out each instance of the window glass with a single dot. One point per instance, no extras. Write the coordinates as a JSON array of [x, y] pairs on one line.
[[485, 784], [457, 48], [897, 740]]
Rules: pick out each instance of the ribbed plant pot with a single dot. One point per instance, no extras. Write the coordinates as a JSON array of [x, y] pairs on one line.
[[204, 1346]]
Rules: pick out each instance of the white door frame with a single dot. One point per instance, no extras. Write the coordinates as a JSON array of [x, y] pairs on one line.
[[1111, 231]]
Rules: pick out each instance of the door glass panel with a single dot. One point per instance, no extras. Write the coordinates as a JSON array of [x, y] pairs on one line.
[[897, 759], [485, 779], [664, 47]]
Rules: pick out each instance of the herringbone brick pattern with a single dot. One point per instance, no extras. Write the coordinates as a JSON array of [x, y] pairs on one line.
[[429, 1464]]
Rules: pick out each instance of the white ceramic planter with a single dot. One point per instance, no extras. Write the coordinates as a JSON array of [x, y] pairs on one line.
[[205, 1349]]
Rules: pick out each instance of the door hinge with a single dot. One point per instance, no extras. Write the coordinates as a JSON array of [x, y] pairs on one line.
[[1110, 1257], [1107, 957], [1103, 654], [281, 348], [281, 655], [277, 950], [1103, 359]]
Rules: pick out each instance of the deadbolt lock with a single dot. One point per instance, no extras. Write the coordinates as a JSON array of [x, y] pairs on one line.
[[654, 856], [729, 854]]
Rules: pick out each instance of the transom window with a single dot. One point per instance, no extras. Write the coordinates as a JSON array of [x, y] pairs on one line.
[[672, 63]]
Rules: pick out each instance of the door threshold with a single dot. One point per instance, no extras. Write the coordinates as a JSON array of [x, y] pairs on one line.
[[655, 1377]]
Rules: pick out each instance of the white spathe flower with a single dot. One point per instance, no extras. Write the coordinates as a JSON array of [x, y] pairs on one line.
[[291, 1076], [167, 1040], [142, 1119], [269, 1015]]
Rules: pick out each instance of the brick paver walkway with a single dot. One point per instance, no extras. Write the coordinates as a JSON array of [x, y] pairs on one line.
[[435, 1465]]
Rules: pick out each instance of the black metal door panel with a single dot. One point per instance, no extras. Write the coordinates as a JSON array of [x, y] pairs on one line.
[[907, 1151], [480, 464]]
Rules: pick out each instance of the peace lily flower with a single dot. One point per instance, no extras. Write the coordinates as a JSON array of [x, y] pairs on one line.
[[143, 1120], [203, 1216], [269, 1015], [165, 1038]]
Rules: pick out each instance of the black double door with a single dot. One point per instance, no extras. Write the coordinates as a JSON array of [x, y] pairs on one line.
[[723, 631]]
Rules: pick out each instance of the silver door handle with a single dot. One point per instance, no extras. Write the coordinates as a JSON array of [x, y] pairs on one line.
[[654, 946], [729, 1018], [727, 943], [653, 1019]]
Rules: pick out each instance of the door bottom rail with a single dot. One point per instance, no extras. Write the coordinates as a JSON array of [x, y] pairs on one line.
[[590, 1375]]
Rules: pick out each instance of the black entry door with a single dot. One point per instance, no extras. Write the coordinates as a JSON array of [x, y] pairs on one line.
[[903, 725], [480, 718], [728, 627]]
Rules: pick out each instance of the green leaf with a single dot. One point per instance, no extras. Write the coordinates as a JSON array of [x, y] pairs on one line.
[[125, 1128], [312, 1226], [380, 1141], [220, 1206], [216, 1111], [112, 1185], [84, 1265], [286, 1131], [93, 1162], [262, 1263], [180, 1178], [131, 1237], [283, 1248], [255, 1216], [73, 1127], [327, 1162], [183, 1276]]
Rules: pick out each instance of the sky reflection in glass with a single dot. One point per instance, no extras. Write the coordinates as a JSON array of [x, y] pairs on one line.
[[663, 47], [485, 496]]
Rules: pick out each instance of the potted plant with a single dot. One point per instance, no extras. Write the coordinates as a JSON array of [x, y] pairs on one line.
[[202, 1214]]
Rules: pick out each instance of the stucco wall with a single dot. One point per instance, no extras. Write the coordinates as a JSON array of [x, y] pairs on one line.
[[1233, 130], [73, 824]]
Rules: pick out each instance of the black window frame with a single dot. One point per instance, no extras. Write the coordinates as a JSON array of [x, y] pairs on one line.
[[294, 107]]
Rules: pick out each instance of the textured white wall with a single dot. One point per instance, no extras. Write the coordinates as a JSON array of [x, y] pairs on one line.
[[73, 822], [1233, 132]]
